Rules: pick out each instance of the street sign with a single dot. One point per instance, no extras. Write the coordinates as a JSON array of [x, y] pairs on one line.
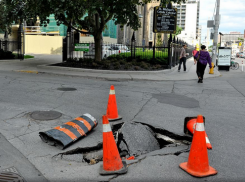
[[82, 47], [210, 24], [165, 20]]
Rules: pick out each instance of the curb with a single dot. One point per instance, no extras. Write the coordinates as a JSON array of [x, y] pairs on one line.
[[102, 71]]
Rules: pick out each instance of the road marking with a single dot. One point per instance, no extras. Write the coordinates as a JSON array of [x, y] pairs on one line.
[[27, 71]]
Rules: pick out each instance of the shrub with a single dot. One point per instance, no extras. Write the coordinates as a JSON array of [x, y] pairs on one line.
[[116, 65], [137, 68], [158, 66], [94, 64], [106, 64], [144, 65], [123, 62], [6, 54]]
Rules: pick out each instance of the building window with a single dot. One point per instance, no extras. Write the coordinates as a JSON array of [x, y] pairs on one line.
[[151, 25]]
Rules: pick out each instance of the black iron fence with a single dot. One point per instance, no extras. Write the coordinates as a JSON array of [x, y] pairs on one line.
[[168, 56], [175, 49], [113, 50], [11, 49]]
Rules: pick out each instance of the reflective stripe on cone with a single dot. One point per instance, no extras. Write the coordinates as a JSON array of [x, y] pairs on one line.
[[69, 132]]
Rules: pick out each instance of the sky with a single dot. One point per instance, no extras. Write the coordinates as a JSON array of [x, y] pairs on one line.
[[232, 15]]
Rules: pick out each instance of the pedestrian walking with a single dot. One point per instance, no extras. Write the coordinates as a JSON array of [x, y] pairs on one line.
[[182, 57], [202, 58], [194, 52]]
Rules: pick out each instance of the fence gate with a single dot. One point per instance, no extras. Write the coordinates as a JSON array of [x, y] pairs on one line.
[[14, 46]]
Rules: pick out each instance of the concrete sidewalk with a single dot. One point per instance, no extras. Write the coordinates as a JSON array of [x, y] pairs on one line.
[[41, 64]]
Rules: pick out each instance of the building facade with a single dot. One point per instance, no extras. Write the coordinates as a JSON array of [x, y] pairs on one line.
[[144, 35], [234, 40], [188, 20]]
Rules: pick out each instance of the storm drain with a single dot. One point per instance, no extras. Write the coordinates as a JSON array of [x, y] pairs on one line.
[[133, 139], [45, 115], [66, 89], [10, 177]]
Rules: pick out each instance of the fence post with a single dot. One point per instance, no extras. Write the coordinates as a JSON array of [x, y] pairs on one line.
[[154, 47], [6, 45], [64, 50], [20, 38], [169, 51], [133, 46]]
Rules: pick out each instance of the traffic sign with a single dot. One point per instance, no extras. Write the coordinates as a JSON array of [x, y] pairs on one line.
[[82, 47]]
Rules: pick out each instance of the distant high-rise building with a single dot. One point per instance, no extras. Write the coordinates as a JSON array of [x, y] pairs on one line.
[[188, 20]]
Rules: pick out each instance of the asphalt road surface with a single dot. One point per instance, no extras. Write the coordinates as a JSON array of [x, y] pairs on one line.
[[162, 105]]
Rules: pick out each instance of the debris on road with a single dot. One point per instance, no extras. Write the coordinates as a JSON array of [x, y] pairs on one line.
[[137, 139], [66, 134]]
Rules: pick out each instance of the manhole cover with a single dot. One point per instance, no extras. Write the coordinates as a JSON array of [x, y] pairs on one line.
[[45, 115], [66, 89], [177, 100]]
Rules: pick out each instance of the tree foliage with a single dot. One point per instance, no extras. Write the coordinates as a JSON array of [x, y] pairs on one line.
[[85, 16], [2, 17]]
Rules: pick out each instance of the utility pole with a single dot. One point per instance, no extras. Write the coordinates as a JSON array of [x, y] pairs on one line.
[[216, 29]]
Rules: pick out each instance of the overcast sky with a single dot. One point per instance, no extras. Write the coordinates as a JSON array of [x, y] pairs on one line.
[[232, 15]]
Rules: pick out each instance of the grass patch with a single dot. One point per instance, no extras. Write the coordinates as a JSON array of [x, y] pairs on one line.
[[28, 56], [25, 57]]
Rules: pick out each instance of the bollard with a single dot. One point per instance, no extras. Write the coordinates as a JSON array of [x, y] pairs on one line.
[[212, 69]]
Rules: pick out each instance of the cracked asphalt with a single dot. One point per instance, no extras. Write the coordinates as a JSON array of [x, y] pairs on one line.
[[221, 100]]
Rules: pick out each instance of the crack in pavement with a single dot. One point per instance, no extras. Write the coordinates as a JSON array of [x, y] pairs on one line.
[[173, 87], [141, 108], [236, 89], [113, 177]]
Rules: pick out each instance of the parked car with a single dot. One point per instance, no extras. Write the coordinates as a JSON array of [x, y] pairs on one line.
[[240, 54], [106, 51], [233, 56], [120, 48]]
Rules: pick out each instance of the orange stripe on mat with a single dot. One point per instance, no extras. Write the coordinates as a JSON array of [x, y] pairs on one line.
[[77, 127], [85, 123], [66, 131]]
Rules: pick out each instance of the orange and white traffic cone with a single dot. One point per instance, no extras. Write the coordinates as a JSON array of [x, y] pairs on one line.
[[198, 164], [112, 113], [112, 162], [189, 128]]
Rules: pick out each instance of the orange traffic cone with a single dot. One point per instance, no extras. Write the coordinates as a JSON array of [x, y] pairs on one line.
[[112, 162], [189, 128], [198, 164], [112, 113]]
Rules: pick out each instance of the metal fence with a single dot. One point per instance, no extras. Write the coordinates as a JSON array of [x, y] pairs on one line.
[[16, 47], [175, 50], [169, 55], [7, 47]]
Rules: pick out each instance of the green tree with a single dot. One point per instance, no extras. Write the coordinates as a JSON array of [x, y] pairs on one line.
[[88, 15], [178, 30], [3, 25]]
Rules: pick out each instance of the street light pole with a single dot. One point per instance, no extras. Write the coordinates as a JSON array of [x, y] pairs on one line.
[[220, 34], [216, 28]]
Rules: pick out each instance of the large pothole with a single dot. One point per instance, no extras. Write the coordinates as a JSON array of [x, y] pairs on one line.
[[133, 139]]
